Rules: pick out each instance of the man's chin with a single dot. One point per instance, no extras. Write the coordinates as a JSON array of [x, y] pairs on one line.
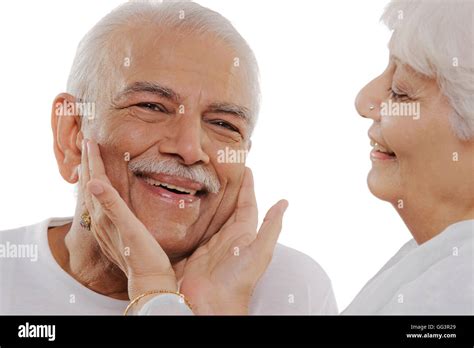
[[162, 215], [176, 239]]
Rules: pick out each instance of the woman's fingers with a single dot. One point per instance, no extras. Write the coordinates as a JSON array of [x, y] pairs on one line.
[[106, 195], [96, 165], [131, 230], [85, 176], [269, 232], [134, 247], [246, 209], [113, 205]]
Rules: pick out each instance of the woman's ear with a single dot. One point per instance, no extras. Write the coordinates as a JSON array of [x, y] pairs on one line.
[[67, 134]]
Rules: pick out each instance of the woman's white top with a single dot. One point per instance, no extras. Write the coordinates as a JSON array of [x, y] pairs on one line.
[[436, 277]]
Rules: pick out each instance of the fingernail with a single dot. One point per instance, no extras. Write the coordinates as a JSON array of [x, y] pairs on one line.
[[84, 141], [96, 188]]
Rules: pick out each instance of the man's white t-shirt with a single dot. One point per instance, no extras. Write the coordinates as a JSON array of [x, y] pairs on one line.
[[31, 281]]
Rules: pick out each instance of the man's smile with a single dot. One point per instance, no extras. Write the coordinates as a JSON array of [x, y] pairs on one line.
[[177, 189]]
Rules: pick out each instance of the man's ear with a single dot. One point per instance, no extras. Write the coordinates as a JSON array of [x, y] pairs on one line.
[[66, 126]]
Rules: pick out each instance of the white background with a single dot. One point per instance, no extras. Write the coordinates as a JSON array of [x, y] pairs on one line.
[[310, 146]]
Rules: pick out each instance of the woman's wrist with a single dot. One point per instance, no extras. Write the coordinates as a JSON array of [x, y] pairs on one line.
[[215, 306], [170, 297], [138, 305], [139, 285]]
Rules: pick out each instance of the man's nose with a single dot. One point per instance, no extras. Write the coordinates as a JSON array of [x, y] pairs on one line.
[[369, 100], [186, 141]]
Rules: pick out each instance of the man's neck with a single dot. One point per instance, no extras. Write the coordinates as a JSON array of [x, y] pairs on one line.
[[77, 252]]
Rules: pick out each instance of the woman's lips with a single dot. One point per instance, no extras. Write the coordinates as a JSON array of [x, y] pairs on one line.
[[380, 152], [179, 199], [381, 156]]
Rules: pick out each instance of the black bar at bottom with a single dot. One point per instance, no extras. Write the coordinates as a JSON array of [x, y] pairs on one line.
[[448, 331]]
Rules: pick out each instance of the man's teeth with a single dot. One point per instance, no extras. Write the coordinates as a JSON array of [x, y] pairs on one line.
[[380, 148], [173, 187]]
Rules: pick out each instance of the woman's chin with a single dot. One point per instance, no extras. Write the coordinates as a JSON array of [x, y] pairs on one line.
[[382, 186]]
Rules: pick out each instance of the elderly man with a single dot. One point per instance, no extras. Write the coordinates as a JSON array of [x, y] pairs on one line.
[[164, 224]]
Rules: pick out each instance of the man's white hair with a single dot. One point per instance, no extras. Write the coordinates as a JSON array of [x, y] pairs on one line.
[[436, 38], [96, 63]]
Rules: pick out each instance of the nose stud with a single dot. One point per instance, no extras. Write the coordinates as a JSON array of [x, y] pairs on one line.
[[371, 107]]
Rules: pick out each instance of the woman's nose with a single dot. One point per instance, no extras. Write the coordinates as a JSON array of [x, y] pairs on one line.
[[367, 103]]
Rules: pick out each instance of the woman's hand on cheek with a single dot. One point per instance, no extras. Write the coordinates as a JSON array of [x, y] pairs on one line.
[[220, 276], [121, 236]]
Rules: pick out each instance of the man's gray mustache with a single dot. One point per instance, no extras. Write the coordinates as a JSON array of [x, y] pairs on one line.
[[197, 173]]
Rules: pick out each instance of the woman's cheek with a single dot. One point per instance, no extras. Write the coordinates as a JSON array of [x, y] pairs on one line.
[[402, 135]]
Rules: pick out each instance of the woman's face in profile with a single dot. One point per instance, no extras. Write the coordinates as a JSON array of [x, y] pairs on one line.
[[416, 157]]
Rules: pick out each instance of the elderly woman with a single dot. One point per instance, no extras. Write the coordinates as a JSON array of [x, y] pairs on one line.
[[422, 108]]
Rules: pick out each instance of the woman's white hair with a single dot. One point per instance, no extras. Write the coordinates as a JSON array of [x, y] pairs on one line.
[[436, 38], [99, 56]]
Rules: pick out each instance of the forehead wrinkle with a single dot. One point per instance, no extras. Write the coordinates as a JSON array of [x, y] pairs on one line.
[[149, 87]]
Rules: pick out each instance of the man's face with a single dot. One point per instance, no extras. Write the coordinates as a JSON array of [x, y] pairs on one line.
[[182, 102]]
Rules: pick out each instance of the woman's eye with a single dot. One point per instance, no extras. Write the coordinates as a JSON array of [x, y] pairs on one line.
[[397, 96], [225, 124], [157, 107]]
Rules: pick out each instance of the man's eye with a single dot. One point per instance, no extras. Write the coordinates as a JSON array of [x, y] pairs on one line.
[[225, 124], [153, 107]]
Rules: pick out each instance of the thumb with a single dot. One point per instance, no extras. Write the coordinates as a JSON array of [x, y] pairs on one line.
[[269, 232]]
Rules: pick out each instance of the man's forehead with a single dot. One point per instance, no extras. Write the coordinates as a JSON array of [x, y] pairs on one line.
[[165, 46], [187, 65]]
